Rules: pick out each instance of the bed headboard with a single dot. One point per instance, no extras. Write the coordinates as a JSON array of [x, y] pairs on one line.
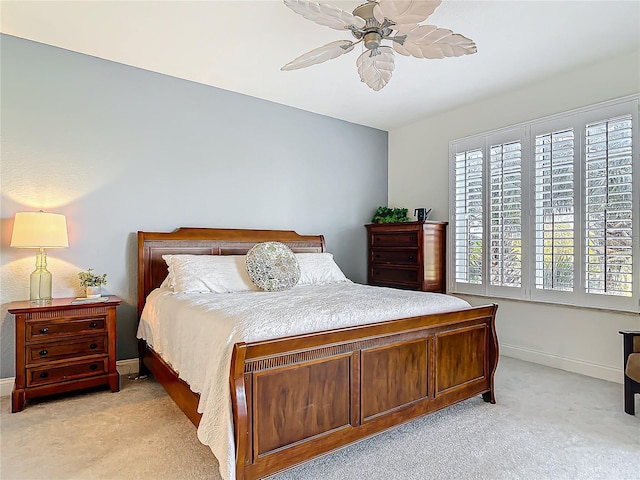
[[152, 269]]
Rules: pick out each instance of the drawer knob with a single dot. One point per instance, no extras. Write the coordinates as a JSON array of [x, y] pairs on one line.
[[44, 330], [93, 325], [93, 366], [410, 257], [93, 346], [44, 374], [44, 352]]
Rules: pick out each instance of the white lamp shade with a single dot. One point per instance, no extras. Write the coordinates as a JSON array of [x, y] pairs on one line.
[[39, 230]]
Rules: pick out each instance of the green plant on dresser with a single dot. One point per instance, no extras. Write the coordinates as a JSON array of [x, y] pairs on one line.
[[390, 215]]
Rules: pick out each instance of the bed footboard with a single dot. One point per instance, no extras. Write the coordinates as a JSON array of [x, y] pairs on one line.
[[299, 397]]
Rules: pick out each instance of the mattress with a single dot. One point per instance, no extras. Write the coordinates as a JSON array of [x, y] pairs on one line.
[[195, 333]]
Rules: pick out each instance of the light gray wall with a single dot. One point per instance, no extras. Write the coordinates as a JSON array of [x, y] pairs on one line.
[[118, 149], [575, 339]]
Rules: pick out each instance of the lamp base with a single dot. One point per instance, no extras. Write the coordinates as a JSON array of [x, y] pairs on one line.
[[41, 302], [40, 287]]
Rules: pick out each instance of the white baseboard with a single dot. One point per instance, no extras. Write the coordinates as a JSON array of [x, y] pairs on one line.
[[124, 367], [128, 367], [574, 365], [6, 386]]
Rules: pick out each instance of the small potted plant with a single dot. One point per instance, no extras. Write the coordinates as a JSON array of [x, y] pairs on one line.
[[92, 282], [390, 215]]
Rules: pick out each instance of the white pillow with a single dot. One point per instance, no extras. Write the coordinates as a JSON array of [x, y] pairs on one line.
[[167, 282], [208, 273], [318, 269]]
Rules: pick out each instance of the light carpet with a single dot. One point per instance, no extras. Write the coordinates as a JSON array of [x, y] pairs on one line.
[[547, 424]]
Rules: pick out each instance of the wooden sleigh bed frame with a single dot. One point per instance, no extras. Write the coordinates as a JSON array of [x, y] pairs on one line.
[[299, 397]]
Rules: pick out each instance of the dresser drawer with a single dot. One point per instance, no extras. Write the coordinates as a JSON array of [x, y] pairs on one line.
[[395, 239], [53, 374], [399, 257], [40, 330], [77, 347], [408, 277]]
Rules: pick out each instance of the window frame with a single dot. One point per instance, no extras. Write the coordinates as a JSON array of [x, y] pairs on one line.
[[526, 133]]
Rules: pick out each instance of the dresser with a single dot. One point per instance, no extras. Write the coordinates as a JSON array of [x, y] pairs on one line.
[[62, 347], [410, 255]]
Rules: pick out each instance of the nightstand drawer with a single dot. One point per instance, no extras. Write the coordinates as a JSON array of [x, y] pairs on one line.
[[77, 347], [40, 330], [53, 374], [401, 257], [409, 277], [395, 239]]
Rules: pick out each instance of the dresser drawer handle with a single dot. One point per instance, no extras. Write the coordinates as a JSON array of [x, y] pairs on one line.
[[44, 374], [93, 346], [410, 257], [93, 325], [44, 330], [44, 352], [93, 366]]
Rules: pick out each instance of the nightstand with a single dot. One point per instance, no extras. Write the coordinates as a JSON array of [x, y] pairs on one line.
[[62, 347]]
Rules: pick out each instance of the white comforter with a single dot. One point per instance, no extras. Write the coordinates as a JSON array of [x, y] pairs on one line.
[[195, 334]]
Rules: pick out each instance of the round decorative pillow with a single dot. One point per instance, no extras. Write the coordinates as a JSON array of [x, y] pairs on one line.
[[272, 266]]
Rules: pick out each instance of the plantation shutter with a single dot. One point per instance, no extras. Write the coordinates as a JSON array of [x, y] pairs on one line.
[[468, 216], [506, 214], [609, 207], [554, 211], [548, 210]]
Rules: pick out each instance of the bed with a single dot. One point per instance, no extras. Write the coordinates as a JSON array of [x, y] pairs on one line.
[[295, 397]]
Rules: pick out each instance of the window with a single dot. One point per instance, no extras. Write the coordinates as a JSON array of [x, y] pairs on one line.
[[609, 207], [506, 214], [468, 207], [549, 210], [554, 211]]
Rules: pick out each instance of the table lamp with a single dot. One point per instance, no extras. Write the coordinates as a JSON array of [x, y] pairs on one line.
[[40, 230]]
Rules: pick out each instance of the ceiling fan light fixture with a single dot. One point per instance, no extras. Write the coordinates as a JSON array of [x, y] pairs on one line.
[[395, 20], [372, 40]]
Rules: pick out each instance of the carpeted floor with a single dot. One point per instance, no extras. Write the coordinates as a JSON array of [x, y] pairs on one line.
[[547, 424]]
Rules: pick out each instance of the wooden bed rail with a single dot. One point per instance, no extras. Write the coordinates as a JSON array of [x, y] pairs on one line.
[[347, 384]]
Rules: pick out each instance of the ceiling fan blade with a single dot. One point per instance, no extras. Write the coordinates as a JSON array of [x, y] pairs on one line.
[[320, 54], [406, 14], [376, 70], [428, 41], [326, 15]]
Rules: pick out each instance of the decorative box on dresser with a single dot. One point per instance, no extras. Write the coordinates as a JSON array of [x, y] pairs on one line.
[[62, 347], [410, 255]]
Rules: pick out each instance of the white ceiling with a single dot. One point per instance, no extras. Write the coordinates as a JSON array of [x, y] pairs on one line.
[[241, 45]]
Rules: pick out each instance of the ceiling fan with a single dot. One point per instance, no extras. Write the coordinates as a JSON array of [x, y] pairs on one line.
[[375, 21]]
